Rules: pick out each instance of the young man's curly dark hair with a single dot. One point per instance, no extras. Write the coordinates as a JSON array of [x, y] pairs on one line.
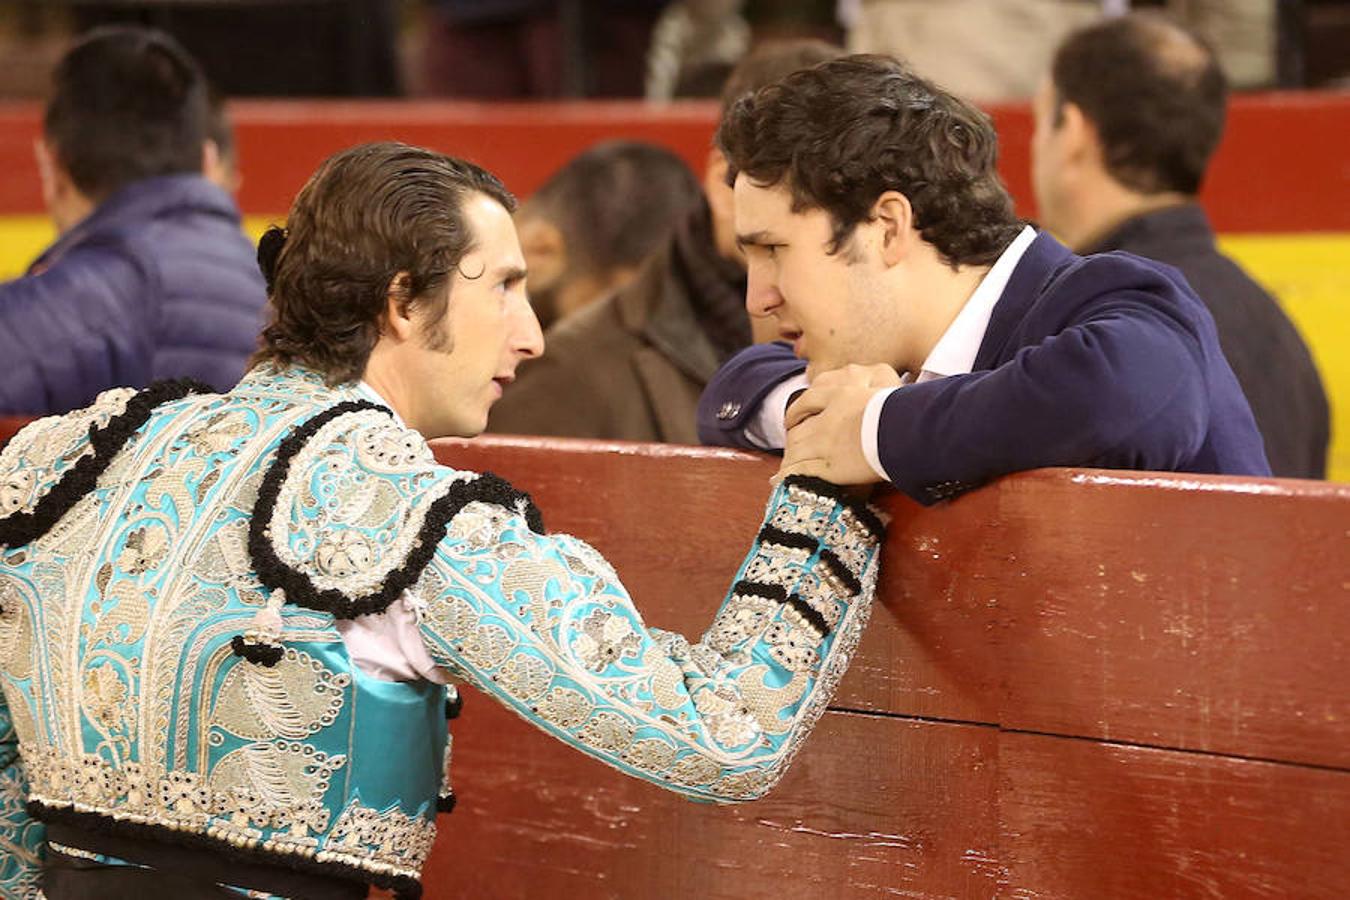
[[840, 134]]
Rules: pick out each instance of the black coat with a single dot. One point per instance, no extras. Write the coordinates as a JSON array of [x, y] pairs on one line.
[[1264, 348]]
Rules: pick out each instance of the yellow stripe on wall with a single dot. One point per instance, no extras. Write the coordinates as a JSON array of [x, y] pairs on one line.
[[22, 238], [1310, 273]]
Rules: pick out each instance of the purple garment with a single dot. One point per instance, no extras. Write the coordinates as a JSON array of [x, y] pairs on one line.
[[158, 282]]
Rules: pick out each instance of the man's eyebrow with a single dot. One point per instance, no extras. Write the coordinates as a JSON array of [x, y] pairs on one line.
[[511, 273], [757, 239]]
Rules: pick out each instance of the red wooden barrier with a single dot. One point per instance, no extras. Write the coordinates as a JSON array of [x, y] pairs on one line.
[[1282, 166], [1076, 684]]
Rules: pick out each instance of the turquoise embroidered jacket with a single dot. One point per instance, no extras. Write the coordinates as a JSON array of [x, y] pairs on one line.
[[150, 551]]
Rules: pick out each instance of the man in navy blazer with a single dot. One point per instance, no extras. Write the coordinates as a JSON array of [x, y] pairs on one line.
[[930, 338]]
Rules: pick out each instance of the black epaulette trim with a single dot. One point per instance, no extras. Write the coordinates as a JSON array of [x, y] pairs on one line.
[[276, 574], [840, 571], [773, 592], [259, 654], [810, 614], [770, 535], [861, 511], [404, 887], [20, 528]]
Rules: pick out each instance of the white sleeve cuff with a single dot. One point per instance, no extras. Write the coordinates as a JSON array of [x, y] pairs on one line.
[[767, 430], [871, 424]]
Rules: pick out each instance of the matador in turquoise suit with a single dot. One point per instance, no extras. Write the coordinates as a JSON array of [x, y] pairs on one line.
[[231, 624]]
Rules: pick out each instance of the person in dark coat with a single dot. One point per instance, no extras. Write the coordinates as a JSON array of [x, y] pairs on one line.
[[632, 365], [940, 341], [587, 229], [1126, 124], [151, 276]]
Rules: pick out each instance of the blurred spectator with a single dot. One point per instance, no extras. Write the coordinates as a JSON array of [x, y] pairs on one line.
[[250, 49], [585, 232], [220, 159], [632, 366], [988, 50], [1125, 127], [992, 50], [151, 276], [1243, 34], [519, 49], [691, 36]]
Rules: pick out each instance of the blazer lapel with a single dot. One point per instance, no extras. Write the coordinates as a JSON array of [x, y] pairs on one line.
[[1043, 259]]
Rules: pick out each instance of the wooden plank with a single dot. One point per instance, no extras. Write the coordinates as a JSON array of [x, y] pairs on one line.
[[1119, 609], [872, 807], [1084, 819], [1197, 615], [1182, 611], [886, 807]]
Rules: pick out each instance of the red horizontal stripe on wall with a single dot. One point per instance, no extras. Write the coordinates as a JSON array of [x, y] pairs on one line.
[[1283, 165]]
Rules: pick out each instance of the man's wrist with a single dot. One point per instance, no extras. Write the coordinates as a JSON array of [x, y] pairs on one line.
[[870, 431], [767, 428]]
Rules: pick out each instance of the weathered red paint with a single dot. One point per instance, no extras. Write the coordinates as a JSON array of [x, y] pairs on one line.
[[1076, 683], [1195, 612], [1280, 167]]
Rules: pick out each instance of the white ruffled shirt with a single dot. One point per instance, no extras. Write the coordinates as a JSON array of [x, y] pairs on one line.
[[388, 645]]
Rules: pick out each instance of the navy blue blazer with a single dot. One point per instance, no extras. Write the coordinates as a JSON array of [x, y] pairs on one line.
[[1106, 361]]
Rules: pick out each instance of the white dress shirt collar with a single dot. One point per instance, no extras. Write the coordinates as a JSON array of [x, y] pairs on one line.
[[955, 351], [364, 387]]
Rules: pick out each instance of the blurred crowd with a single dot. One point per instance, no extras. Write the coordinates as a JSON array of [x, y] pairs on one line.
[[510, 49]]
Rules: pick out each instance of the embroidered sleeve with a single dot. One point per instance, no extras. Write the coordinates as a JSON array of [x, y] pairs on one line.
[[35, 459], [543, 623], [55, 462], [351, 510], [22, 838]]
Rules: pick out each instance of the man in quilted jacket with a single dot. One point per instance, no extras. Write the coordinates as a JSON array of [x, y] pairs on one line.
[[150, 276]]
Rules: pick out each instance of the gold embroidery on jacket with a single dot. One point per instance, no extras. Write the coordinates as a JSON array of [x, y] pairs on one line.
[[386, 841], [293, 699], [16, 630]]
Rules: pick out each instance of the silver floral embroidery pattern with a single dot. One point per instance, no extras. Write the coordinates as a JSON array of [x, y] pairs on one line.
[[16, 491], [719, 719], [355, 498], [344, 554], [35, 458], [218, 433], [605, 639], [743, 618], [148, 580]]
